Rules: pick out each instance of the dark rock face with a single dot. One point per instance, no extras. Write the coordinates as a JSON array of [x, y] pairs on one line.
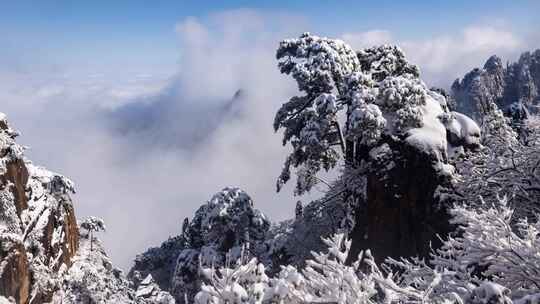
[[401, 216], [159, 262], [515, 86]]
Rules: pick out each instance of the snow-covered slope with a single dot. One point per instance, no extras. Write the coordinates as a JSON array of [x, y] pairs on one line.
[[93, 279]]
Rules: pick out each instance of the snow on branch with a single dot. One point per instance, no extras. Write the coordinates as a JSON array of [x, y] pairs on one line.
[[487, 263], [350, 98]]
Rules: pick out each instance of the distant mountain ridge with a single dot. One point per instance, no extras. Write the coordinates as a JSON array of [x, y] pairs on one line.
[[515, 88], [166, 120]]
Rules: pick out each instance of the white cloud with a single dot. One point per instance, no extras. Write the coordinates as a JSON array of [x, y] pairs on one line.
[[144, 189], [482, 39], [446, 57], [368, 39]]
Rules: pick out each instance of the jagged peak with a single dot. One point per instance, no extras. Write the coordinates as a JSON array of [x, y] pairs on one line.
[[528, 58], [228, 210], [494, 63], [504, 85]]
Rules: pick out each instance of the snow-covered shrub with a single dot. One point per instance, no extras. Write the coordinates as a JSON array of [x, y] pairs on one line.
[[325, 279], [485, 254], [292, 241], [93, 279], [497, 132], [149, 292], [503, 166], [487, 262], [488, 247]]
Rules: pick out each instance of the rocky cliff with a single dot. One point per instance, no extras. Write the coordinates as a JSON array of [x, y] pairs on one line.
[[38, 228], [515, 88], [92, 278], [43, 257]]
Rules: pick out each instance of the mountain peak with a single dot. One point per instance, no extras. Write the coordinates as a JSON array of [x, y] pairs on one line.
[[506, 86], [494, 63]]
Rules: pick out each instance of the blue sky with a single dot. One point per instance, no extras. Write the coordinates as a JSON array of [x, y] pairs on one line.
[[142, 32], [163, 69]]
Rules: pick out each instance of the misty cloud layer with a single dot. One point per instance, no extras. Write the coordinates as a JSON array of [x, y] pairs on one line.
[[445, 58], [146, 149], [169, 121]]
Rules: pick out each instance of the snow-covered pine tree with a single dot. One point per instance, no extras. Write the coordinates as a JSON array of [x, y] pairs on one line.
[[185, 226], [92, 224], [370, 110], [344, 96]]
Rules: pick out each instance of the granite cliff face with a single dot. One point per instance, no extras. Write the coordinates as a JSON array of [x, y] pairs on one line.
[[38, 228], [515, 88], [402, 215]]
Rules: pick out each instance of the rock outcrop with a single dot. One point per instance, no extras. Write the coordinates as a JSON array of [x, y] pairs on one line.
[[92, 278], [224, 229], [43, 257], [15, 279], [38, 228], [401, 215], [150, 292], [515, 88]]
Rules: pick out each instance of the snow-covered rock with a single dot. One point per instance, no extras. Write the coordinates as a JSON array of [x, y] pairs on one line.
[[38, 227], [149, 292], [514, 88], [463, 131], [226, 227], [4, 300], [43, 257], [92, 278]]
